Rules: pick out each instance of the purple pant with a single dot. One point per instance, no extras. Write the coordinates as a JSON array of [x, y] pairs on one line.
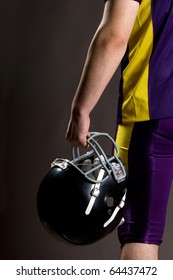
[[146, 148]]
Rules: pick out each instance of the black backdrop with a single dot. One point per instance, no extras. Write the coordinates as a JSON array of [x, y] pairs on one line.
[[42, 50]]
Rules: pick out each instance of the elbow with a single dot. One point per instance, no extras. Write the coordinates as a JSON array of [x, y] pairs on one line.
[[114, 41]]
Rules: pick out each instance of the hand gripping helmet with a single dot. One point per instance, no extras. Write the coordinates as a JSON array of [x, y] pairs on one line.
[[81, 200]]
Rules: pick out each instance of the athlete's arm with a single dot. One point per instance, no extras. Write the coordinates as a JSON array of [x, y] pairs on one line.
[[103, 58]]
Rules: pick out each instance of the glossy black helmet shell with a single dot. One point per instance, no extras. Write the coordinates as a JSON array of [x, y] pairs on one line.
[[78, 207]]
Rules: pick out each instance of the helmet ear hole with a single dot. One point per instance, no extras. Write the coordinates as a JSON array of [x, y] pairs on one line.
[[110, 202]]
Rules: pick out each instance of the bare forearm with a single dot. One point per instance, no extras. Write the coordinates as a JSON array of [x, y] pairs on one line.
[[104, 56]]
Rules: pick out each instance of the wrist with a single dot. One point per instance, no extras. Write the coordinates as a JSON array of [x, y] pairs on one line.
[[80, 111]]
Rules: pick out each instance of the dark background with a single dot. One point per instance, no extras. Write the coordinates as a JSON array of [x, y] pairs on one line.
[[42, 50]]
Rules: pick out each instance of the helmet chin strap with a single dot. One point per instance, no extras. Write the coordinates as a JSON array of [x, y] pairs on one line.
[[117, 209], [95, 192]]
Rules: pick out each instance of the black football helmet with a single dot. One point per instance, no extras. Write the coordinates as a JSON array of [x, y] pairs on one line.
[[81, 200]]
